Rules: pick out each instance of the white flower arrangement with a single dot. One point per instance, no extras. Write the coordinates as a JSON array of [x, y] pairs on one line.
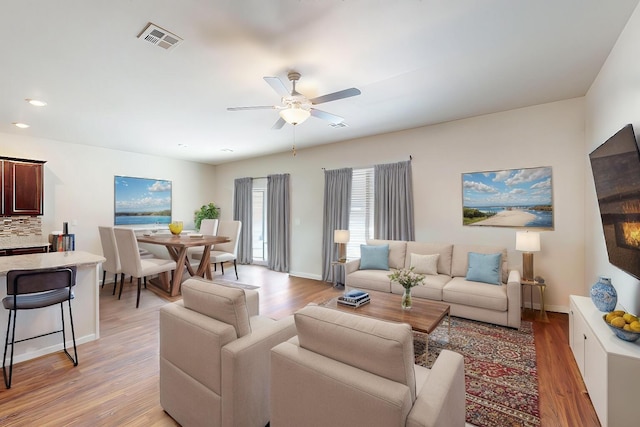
[[407, 278]]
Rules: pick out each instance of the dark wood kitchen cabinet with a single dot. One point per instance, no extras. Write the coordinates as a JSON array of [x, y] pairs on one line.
[[22, 186], [24, 251]]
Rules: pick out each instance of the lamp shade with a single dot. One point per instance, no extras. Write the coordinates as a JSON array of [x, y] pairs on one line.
[[527, 241], [341, 236], [294, 115]]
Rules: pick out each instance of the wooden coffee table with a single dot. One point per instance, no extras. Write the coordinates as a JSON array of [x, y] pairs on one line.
[[424, 316]]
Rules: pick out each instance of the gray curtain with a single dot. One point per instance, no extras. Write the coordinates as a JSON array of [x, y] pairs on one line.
[[278, 222], [337, 204], [393, 202], [242, 209]]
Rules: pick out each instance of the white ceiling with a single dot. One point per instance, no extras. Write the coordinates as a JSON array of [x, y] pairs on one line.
[[416, 62]]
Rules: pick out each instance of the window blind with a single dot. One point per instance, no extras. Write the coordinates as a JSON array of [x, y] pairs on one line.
[[361, 211]]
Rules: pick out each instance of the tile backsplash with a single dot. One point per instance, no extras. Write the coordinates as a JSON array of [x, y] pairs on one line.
[[20, 226]]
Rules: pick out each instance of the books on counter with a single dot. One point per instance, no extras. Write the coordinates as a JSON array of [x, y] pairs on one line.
[[63, 242], [354, 298]]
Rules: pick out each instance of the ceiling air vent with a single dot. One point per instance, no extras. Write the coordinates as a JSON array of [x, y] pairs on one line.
[[159, 37], [339, 125]]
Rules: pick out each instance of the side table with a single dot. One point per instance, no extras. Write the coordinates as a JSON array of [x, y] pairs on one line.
[[338, 273], [542, 287]]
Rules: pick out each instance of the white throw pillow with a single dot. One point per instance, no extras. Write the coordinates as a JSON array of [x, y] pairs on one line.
[[425, 264]]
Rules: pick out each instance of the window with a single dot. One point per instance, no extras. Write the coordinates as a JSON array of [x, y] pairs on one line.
[[361, 211]]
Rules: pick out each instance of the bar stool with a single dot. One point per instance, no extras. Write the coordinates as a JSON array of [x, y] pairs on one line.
[[32, 289]]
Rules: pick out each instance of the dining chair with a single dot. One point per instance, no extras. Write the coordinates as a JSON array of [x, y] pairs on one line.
[[33, 289], [110, 252], [225, 252], [208, 227], [133, 264]]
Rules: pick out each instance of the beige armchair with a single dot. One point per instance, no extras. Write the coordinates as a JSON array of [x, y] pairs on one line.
[[214, 356], [348, 370]]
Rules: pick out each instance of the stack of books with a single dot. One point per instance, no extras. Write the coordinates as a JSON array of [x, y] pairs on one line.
[[354, 298], [63, 242]]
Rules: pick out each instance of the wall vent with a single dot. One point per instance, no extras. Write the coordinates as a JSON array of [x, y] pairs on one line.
[[159, 37], [339, 125]]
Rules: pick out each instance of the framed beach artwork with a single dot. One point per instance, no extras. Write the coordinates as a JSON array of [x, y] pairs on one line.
[[141, 201], [508, 198]]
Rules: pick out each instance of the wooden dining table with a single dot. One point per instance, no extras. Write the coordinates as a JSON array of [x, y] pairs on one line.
[[177, 247]]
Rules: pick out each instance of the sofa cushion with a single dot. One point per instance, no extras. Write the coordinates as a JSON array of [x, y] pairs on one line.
[[431, 289], [397, 251], [376, 280], [374, 257], [228, 305], [346, 337], [443, 249], [484, 268], [460, 258], [425, 264], [476, 294]]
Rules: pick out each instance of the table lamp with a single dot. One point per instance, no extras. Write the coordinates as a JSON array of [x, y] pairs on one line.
[[527, 242], [341, 237]]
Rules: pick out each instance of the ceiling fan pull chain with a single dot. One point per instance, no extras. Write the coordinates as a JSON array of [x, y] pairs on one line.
[[293, 149]]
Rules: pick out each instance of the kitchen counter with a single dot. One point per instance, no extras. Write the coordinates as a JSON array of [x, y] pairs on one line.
[[48, 260], [85, 305], [22, 242]]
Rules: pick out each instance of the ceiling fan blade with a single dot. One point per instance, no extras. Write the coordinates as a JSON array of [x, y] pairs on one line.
[[259, 107], [326, 116], [278, 124], [336, 95], [277, 85]]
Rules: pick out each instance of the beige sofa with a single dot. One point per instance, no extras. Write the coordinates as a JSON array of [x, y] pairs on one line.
[[214, 356], [498, 304], [348, 370]]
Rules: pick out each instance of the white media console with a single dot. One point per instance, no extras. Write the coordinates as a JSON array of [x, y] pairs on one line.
[[610, 367]]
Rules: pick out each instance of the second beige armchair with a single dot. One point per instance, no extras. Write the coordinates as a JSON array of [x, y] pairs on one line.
[[348, 370]]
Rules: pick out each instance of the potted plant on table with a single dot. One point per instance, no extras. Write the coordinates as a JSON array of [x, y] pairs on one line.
[[210, 211], [408, 279]]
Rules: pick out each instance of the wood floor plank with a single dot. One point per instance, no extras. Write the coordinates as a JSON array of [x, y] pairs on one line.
[[116, 381]]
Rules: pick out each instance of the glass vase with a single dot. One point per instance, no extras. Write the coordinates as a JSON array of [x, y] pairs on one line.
[[406, 299], [176, 227]]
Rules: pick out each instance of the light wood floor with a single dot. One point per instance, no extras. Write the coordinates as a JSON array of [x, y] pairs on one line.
[[116, 381]]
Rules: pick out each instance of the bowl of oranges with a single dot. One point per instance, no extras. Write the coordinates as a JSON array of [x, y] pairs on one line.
[[625, 325]]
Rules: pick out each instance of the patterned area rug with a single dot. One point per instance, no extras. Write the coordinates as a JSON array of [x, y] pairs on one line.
[[500, 370]]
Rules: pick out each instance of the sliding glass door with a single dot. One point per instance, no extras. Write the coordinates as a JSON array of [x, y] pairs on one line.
[[259, 221]]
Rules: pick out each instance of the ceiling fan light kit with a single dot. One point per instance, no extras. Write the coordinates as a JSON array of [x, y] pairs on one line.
[[296, 108], [295, 115]]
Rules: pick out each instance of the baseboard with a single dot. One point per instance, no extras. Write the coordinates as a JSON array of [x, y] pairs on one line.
[[305, 275], [52, 349], [552, 308]]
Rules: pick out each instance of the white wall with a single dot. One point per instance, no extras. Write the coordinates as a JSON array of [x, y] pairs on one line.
[[612, 102], [79, 183], [545, 135]]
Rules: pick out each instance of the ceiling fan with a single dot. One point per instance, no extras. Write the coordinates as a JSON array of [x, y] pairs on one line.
[[296, 107]]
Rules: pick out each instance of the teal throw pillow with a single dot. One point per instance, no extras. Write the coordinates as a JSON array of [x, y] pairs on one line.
[[374, 257], [484, 268]]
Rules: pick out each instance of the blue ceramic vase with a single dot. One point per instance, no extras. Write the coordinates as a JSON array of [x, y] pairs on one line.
[[604, 295]]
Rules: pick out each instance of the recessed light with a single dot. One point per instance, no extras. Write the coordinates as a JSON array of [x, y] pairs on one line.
[[36, 102], [21, 125]]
